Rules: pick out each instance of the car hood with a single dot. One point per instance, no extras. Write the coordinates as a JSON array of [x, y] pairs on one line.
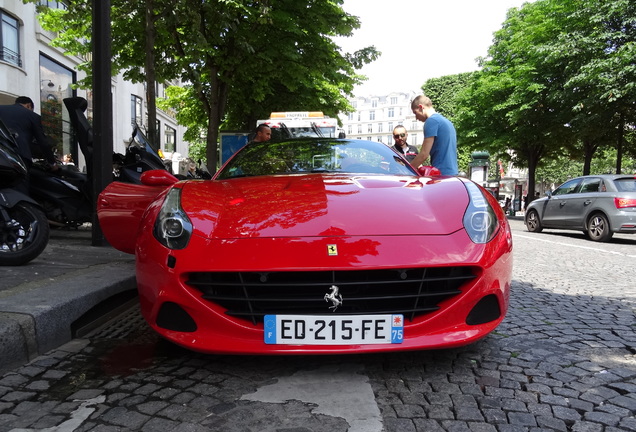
[[324, 205]]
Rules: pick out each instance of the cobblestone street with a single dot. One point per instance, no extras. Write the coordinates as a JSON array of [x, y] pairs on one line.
[[564, 359]]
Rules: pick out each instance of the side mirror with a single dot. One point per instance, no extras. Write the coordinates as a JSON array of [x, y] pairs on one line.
[[158, 178], [428, 171]]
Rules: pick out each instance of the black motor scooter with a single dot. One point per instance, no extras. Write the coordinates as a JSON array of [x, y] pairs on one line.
[[140, 154], [66, 194], [24, 230]]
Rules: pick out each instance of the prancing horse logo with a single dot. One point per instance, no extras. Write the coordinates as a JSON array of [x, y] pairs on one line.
[[334, 297]]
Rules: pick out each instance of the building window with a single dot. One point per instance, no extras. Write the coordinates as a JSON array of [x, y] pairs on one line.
[[351, 116], [391, 126], [371, 115], [393, 100], [388, 138], [380, 127], [171, 139], [53, 4], [374, 103], [56, 84], [370, 128], [349, 129], [136, 111], [359, 128], [390, 113], [9, 40]]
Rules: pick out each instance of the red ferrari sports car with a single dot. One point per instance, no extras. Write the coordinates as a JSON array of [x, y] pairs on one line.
[[316, 246]]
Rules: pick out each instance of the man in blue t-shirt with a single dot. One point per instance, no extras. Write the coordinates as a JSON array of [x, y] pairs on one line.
[[440, 138]]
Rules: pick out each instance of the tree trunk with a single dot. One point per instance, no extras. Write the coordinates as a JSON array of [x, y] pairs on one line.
[[588, 153], [216, 111], [619, 144], [534, 156], [151, 96]]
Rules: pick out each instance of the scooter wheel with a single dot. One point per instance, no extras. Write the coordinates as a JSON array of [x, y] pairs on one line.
[[24, 233]]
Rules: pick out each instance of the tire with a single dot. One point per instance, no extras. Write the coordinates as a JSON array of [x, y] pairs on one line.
[[598, 228], [24, 236], [532, 222]]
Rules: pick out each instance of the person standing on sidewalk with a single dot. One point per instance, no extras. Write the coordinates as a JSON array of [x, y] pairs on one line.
[[440, 138], [28, 130]]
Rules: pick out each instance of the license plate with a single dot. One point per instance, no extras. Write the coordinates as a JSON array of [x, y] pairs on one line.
[[334, 329]]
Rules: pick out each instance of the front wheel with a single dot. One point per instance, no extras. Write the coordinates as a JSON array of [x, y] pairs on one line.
[[598, 228], [24, 233], [532, 222]]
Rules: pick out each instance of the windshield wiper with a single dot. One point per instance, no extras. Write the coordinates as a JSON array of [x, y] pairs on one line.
[[317, 130]]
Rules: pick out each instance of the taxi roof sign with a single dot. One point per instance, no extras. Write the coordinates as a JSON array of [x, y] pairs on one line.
[[296, 114]]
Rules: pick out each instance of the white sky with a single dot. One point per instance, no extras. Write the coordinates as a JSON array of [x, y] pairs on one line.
[[422, 39]]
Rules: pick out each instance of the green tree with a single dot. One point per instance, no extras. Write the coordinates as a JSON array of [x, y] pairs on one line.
[[240, 59], [559, 80], [514, 107], [597, 46]]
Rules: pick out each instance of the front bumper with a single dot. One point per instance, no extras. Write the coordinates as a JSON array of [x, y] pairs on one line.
[[180, 312]]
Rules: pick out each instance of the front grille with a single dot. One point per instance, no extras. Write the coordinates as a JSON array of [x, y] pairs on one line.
[[252, 295]]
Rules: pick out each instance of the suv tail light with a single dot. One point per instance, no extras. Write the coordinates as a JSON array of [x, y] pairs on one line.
[[624, 202]]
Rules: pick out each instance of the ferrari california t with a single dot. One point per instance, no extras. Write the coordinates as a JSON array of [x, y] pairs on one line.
[[316, 246]]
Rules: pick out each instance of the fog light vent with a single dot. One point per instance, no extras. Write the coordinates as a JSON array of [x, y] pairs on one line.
[[485, 311], [172, 317]]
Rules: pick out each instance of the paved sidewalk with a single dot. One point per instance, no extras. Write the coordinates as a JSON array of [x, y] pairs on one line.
[[40, 301]]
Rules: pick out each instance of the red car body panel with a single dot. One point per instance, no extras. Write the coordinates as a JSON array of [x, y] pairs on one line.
[[287, 223]]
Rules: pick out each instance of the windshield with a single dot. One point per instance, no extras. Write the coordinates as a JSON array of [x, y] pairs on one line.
[[627, 184], [315, 156], [285, 132]]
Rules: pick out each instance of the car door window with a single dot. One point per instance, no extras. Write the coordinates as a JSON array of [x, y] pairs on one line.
[[568, 187], [591, 185]]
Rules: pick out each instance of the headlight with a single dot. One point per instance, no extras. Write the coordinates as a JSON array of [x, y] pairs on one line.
[[172, 227], [480, 220]]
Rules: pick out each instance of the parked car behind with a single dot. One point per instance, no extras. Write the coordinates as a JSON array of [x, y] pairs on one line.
[[599, 205]]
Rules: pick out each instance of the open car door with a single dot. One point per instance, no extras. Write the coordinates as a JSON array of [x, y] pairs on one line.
[[121, 206]]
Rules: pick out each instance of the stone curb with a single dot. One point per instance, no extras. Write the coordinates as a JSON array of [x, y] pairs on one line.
[[37, 317]]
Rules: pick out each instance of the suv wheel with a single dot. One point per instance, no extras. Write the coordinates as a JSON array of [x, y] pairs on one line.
[[598, 228], [532, 222]]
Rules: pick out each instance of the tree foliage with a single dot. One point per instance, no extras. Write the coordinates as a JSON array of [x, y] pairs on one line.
[[558, 80], [239, 59]]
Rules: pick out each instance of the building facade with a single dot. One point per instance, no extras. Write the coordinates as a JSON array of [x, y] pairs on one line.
[[375, 117], [30, 66]]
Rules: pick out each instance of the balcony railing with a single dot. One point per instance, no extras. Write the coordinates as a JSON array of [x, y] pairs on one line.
[[10, 56]]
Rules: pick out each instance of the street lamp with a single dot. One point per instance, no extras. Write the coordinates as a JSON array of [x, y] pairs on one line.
[[50, 84]]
